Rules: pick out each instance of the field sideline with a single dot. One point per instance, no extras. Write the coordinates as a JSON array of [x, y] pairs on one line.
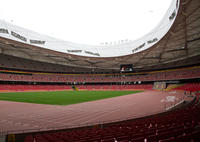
[[62, 97]]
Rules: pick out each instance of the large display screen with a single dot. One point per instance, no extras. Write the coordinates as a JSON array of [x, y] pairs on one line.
[[126, 68]]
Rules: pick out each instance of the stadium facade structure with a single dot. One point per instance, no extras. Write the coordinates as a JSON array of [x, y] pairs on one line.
[[174, 42]]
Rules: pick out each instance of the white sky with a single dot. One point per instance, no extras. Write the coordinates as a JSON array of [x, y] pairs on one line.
[[86, 21]]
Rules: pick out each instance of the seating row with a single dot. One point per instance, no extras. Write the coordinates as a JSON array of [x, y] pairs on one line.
[[180, 126], [16, 87], [82, 78]]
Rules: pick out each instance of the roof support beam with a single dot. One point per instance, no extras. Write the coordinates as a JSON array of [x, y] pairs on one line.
[[175, 50], [194, 39], [193, 11], [163, 49], [185, 33]]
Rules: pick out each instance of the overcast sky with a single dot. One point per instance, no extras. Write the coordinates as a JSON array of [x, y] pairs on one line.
[[86, 21]]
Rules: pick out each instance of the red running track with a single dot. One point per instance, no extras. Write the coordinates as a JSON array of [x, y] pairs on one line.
[[18, 117]]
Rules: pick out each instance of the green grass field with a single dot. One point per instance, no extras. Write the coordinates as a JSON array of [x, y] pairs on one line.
[[61, 97]]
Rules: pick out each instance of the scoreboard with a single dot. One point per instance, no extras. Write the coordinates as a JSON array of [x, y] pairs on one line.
[[126, 68]]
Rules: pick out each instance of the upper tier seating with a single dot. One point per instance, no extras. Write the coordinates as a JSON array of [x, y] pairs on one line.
[[155, 76]]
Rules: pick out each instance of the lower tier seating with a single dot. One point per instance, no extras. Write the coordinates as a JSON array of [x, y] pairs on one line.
[[9, 88], [182, 125], [12, 87], [193, 87]]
